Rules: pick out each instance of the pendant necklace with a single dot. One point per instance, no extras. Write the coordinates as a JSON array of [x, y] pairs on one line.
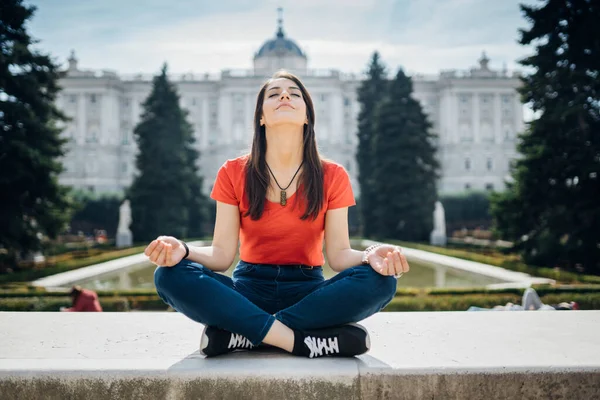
[[283, 194]]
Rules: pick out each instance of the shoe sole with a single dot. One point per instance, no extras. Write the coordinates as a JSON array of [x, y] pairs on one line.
[[368, 337], [203, 341]]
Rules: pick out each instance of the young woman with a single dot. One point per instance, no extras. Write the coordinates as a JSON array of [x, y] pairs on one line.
[[280, 201]]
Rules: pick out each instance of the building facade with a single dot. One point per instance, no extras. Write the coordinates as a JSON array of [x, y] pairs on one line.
[[476, 115]]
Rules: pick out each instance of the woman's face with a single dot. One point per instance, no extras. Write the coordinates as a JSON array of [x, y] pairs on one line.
[[283, 104]]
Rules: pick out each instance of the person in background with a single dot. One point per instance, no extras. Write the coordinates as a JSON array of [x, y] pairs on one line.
[[83, 300], [531, 302]]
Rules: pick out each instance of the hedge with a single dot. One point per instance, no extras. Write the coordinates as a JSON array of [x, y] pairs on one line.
[[31, 291], [462, 303], [410, 302]]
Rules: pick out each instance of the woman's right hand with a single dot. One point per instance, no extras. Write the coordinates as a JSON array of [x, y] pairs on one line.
[[165, 251]]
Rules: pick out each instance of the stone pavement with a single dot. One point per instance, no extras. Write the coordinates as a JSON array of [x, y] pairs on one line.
[[445, 355]]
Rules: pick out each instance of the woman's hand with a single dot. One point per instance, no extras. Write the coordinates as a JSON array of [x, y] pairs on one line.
[[165, 251], [388, 260]]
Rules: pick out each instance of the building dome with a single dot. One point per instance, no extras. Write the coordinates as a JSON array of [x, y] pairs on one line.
[[279, 53], [280, 46]]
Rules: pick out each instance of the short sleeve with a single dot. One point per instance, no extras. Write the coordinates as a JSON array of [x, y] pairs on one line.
[[340, 190], [223, 189]]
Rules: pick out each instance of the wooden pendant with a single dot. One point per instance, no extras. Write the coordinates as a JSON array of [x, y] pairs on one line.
[[283, 198]]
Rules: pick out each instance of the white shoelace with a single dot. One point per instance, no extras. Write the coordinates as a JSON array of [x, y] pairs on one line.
[[239, 342], [318, 345]]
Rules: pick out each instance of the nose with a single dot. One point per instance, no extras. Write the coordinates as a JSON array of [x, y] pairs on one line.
[[284, 95]]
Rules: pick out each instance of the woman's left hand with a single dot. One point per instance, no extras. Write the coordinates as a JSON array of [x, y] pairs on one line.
[[389, 260]]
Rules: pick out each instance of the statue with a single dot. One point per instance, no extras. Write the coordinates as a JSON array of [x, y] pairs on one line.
[[438, 235], [124, 236]]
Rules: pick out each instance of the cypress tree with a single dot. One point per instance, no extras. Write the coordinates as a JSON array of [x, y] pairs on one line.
[[405, 168], [370, 93], [165, 190]]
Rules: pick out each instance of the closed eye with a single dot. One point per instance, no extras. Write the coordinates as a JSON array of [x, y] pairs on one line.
[[277, 94]]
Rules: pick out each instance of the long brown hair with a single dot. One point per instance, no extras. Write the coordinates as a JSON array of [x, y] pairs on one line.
[[257, 175]]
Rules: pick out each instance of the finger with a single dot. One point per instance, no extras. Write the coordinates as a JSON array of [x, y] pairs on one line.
[[390, 258], [405, 266], [157, 251], [397, 263], [169, 256], [386, 267], [162, 257], [150, 248], [154, 254]]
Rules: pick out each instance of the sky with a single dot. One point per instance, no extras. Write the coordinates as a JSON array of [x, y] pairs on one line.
[[207, 36]]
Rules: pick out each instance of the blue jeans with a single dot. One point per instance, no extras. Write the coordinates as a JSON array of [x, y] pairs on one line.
[[258, 294]]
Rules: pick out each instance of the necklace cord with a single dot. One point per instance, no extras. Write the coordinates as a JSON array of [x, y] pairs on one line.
[[293, 177]]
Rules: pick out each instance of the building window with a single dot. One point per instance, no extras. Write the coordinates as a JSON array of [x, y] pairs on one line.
[[124, 167], [487, 132], [489, 164], [73, 98], [346, 101], [467, 164], [489, 186], [93, 98], [323, 97], [238, 106], [92, 136], [213, 106], [466, 134], [467, 186], [506, 99], [348, 166]]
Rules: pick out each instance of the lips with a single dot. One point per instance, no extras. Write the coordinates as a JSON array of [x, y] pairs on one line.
[[284, 105]]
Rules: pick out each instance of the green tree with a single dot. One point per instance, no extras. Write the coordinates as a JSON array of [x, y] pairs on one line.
[[370, 93], [31, 200], [164, 193], [551, 209], [405, 168]]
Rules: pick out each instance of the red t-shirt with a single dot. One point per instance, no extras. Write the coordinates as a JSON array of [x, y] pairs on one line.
[[280, 236]]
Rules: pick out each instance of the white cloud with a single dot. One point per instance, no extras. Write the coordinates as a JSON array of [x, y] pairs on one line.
[[422, 36]]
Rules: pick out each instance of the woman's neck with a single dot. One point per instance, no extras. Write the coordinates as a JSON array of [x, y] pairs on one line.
[[285, 148]]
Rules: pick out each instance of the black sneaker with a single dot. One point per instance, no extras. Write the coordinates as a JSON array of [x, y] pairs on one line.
[[217, 341], [341, 341]]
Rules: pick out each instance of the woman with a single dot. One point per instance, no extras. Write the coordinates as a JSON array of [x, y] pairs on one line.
[[280, 201], [83, 300]]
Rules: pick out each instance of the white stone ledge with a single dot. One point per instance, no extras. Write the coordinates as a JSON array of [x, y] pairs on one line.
[[519, 354]]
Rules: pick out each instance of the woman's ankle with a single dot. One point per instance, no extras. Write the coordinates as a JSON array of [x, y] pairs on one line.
[[280, 336]]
